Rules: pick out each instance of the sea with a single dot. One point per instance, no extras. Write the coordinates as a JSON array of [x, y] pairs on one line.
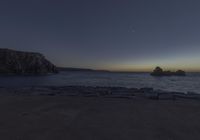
[[189, 83]]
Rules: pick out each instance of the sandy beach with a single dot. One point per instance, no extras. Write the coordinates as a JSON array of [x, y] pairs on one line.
[[100, 70], [47, 117]]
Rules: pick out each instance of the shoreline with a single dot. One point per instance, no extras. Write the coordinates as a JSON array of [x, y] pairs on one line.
[[100, 113], [90, 91]]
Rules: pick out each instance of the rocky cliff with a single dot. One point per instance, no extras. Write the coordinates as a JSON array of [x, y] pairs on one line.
[[17, 62]]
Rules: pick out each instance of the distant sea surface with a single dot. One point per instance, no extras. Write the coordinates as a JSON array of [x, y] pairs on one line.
[[191, 82]]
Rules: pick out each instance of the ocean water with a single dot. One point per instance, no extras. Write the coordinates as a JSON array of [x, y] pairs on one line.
[[191, 82]]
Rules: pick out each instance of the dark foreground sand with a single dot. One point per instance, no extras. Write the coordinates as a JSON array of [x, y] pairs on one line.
[[96, 118]]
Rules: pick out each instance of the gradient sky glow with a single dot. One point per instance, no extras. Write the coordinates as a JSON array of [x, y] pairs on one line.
[[122, 35]]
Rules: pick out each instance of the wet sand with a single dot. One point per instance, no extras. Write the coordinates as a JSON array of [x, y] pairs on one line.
[[97, 118]]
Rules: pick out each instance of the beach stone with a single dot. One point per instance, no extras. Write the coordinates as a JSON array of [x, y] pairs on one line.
[[186, 96], [134, 90], [150, 95], [166, 96], [192, 93], [103, 92], [143, 90]]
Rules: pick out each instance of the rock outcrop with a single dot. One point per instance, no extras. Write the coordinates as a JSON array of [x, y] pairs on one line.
[[159, 72], [17, 62]]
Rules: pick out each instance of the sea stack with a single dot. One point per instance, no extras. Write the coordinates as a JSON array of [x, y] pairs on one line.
[[18, 62], [159, 72]]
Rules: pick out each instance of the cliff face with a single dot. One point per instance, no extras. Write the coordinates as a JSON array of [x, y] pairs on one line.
[[18, 62]]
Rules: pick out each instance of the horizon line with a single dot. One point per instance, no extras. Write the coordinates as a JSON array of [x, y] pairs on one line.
[[125, 71]]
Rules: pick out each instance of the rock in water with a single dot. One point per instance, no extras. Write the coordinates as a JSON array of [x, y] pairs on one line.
[[180, 73], [17, 62], [159, 72]]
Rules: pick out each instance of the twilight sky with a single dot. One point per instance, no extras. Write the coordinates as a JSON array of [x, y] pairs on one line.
[[129, 35]]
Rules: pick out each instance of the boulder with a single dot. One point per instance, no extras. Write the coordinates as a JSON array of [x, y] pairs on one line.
[[146, 89], [166, 96], [18, 62]]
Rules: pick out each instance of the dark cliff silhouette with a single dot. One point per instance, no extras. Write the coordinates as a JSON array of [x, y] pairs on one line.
[[18, 62], [159, 72]]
